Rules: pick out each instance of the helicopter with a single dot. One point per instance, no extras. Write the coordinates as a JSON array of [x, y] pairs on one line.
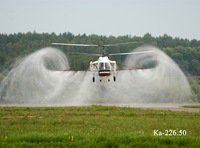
[[103, 67]]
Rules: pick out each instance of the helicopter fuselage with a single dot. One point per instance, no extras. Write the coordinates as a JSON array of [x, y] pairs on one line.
[[103, 66]]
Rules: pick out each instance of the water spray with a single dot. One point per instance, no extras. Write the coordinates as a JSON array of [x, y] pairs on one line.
[[39, 79]]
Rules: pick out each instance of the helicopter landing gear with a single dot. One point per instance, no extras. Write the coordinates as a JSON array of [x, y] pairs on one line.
[[114, 78], [100, 80]]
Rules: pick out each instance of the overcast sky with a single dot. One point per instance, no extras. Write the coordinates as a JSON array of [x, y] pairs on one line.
[[177, 18]]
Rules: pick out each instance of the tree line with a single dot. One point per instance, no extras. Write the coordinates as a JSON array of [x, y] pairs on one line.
[[185, 52]]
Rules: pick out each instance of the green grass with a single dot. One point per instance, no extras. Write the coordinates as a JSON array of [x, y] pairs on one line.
[[95, 126]]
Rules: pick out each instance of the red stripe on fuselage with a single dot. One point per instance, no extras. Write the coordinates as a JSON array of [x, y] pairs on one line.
[[104, 73]]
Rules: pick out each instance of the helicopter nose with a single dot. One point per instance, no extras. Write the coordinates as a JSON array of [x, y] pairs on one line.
[[104, 73]]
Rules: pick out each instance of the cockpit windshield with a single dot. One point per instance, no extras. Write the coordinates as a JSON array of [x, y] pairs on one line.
[[104, 66]]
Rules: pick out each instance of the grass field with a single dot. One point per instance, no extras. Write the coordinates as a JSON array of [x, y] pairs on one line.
[[97, 126]]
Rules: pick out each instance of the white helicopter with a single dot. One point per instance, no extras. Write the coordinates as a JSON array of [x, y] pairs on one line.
[[103, 67]]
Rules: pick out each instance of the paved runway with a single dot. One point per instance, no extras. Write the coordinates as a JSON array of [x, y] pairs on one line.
[[161, 106], [157, 106]]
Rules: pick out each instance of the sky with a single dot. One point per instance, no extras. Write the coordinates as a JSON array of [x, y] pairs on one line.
[[177, 18]]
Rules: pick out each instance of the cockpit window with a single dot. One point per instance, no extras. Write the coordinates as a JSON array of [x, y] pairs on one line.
[[104, 66], [101, 66], [107, 65]]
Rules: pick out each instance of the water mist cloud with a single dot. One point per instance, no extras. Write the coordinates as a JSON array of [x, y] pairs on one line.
[[37, 79]]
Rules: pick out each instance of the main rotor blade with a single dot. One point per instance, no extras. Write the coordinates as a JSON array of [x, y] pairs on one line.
[[128, 53], [93, 45], [82, 45], [118, 44], [90, 54]]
